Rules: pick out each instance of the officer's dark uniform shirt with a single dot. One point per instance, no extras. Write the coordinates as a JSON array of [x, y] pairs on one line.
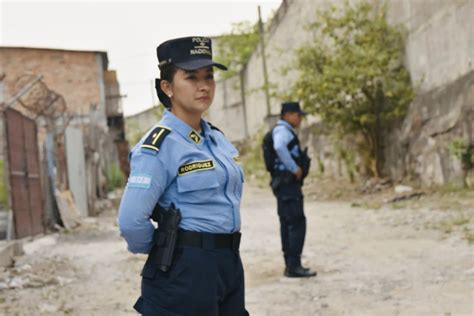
[[198, 172], [282, 136]]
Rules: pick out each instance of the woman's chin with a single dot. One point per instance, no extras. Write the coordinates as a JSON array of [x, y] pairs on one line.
[[202, 106]]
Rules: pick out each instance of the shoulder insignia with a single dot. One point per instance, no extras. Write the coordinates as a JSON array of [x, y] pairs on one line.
[[214, 127], [195, 137], [155, 138]]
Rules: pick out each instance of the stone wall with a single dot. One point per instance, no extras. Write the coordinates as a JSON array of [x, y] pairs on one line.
[[439, 56], [419, 147]]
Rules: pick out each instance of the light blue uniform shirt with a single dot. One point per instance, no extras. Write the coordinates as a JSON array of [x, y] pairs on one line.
[[199, 173], [282, 136]]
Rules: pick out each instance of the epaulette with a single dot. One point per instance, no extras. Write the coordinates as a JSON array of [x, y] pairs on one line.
[[156, 138], [215, 128]]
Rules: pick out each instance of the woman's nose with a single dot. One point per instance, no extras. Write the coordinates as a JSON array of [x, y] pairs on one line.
[[204, 85]]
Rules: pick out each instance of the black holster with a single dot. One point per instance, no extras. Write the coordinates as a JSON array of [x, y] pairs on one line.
[[165, 235]]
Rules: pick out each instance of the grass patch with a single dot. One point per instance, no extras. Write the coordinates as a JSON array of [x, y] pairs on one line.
[[115, 177], [460, 221], [469, 235], [368, 205], [454, 189], [3, 185], [449, 225], [399, 205]]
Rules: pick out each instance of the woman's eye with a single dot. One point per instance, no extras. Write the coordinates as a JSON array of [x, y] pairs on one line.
[[210, 77]]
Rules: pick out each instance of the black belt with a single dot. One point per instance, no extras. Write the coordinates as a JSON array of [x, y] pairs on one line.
[[208, 240]]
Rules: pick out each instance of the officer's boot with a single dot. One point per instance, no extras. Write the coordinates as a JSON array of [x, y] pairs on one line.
[[299, 272]]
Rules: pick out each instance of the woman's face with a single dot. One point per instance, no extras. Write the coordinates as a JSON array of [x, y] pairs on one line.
[[192, 91]]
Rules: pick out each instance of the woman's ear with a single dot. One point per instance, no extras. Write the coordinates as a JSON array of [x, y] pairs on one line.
[[166, 88]]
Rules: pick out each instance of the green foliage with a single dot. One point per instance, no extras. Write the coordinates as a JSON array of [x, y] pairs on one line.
[[352, 74], [461, 150], [347, 156], [3, 186], [234, 49], [115, 177]]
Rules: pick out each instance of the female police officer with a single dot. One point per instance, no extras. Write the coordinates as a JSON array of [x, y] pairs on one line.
[[186, 164]]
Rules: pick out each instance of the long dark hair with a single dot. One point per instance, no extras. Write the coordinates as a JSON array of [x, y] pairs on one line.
[[167, 73]]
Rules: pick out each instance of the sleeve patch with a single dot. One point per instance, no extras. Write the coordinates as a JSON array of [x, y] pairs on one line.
[[155, 138], [141, 181]]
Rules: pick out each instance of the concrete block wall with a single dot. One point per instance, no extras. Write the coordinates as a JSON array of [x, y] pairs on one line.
[[440, 41]]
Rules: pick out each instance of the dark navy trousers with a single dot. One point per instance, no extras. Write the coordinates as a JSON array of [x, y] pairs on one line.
[[200, 281], [290, 203]]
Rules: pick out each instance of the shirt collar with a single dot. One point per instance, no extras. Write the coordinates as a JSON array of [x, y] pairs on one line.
[[285, 123], [178, 125]]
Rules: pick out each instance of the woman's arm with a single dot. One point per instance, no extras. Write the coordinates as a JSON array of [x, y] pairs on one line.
[[147, 182]]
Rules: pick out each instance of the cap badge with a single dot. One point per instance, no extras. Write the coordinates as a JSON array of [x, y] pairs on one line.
[[201, 46]]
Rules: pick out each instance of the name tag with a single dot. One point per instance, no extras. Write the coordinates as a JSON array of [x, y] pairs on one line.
[[195, 166]]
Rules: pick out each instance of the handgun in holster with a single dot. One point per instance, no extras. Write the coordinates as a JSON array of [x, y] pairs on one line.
[[304, 163], [165, 235]]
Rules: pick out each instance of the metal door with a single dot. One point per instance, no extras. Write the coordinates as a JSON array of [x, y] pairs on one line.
[[24, 169]]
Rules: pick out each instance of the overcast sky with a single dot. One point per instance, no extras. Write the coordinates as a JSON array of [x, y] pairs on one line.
[[128, 30]]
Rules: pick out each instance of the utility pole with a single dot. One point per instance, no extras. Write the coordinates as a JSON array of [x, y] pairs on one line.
[[152, 86], [264, 63], [244, 105]]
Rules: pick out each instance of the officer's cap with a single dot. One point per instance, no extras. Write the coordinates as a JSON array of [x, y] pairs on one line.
[[291, 107], [188, 53]]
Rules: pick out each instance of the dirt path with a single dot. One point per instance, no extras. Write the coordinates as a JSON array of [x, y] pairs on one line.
[[370, 262]]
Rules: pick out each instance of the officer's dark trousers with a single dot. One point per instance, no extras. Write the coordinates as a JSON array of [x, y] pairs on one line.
[[200, 282], [292, 220]]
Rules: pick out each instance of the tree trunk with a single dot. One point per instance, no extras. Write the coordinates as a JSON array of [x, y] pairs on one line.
[[379, 131]]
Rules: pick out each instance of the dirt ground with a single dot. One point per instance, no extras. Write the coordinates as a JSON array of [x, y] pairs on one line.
[[389, 260]]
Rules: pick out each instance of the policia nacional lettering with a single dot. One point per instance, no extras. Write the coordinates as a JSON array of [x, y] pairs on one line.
[[195, 166]]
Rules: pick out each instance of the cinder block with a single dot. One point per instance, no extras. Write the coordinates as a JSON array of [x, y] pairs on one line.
[[8, 250]]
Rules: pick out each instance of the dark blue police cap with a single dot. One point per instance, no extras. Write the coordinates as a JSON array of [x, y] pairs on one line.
[[291, 107], [188, 53]]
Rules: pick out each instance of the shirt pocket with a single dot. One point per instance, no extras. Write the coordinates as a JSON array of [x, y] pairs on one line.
[[197, 181]]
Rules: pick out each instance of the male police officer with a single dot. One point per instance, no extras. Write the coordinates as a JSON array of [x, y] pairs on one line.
[[287, 179]]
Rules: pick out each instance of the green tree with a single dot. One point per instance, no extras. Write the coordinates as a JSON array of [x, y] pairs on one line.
[[352, 75], [235, 48]]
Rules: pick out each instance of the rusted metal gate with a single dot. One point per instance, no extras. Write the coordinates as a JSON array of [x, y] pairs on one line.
[[25, 183]]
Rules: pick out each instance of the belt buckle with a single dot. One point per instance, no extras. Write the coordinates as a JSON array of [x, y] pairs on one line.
[[236, 241]]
